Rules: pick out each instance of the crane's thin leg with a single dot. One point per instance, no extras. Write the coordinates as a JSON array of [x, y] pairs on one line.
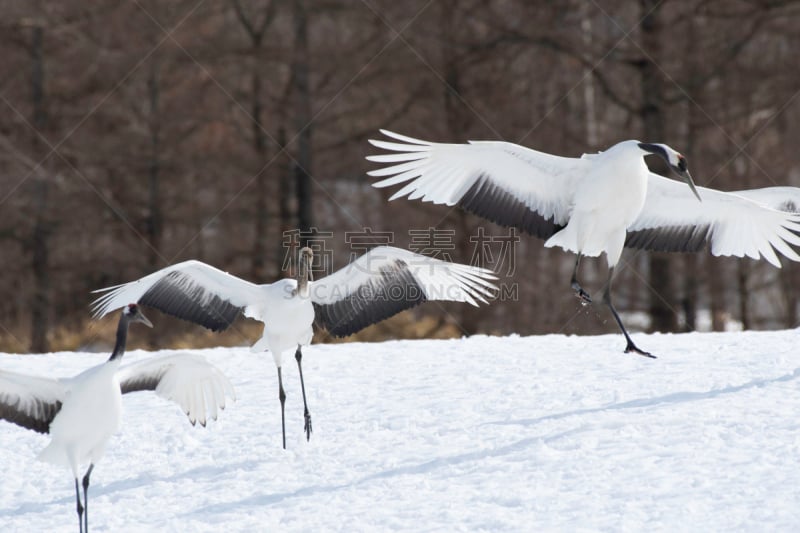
[[581, 294], [282, 398], [79, 506], [298, 355], [631, 347], [86, 498]]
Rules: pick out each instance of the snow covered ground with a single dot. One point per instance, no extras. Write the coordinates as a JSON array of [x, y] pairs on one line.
[[547, 433]]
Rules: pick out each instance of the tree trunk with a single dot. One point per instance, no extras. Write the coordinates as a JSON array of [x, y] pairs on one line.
[[744, 294], [691, 262], [39, 240], [302, 119], [690, 292], [788, 281], [261, 214], [285, 222], [716, 288], [592, 135], [154, 218], [255, 30], [457, 122], [662, 299], [154, 215]]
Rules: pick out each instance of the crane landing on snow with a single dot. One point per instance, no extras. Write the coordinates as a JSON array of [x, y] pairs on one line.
[[598, 203]]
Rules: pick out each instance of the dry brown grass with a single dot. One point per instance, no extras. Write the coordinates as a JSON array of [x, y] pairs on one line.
[[170, 333]]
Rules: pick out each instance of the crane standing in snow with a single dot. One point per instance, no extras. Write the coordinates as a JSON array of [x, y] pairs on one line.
[[589, 205], [376, 286], [83, 412]]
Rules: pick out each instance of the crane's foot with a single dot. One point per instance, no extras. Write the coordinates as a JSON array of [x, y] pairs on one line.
[[307, 426], [581, 294], [635, 349]]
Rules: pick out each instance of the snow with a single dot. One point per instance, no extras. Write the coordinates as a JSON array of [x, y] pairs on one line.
[[546, 433]]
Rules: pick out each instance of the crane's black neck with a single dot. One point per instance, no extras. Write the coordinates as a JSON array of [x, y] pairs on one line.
[[122, 337]]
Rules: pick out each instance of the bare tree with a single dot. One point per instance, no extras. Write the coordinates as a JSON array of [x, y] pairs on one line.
[[39, 241], [652, 111], [179, 130], [255, 27], [303, 126]]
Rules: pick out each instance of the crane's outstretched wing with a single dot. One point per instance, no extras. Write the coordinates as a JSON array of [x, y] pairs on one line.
[[674, 221], [191, 290], [189, 380], [29, 401], [780, 198], [387, 280], [503, 182]]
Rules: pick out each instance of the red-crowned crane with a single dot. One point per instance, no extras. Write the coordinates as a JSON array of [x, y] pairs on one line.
[[83, 412], [376, 286], [589, 205]]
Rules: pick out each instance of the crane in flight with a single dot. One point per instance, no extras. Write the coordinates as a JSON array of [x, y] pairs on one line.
[[594, 204]]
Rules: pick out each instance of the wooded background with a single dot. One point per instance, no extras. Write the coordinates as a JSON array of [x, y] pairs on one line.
[[138, 134]]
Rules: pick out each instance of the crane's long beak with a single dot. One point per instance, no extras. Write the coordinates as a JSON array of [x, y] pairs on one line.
[[688, 178], [144, 320]]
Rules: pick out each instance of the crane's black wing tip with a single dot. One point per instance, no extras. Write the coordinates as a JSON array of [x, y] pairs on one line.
[[176, 294], [689, 238], [37, 417], [382, 297], [487, 200]]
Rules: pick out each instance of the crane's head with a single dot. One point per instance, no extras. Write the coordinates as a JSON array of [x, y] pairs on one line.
[[674, 159], [134, 314], [306, 254]]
